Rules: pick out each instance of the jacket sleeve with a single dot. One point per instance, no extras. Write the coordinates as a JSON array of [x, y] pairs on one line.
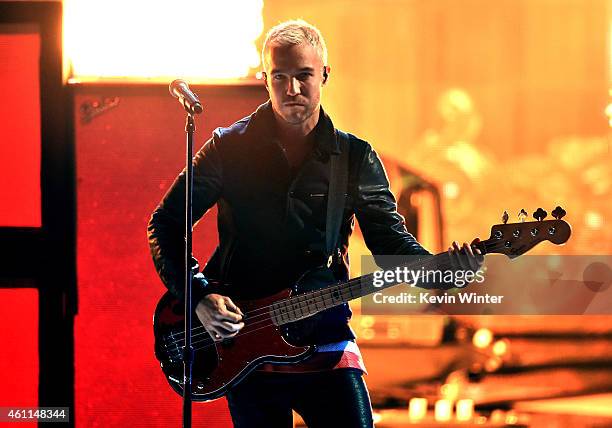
[[166, 228], [383, 227]]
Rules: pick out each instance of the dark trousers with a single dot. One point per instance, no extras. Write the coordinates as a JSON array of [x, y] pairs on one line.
[[335, 398]]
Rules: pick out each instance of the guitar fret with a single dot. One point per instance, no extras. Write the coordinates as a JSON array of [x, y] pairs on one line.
[[294, 309], [351, 292], [330, 294], [312, 302], [315, 304], [280, 311], [324, 297]]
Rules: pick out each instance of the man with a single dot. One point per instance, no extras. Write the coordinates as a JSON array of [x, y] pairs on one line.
[[269, 174]]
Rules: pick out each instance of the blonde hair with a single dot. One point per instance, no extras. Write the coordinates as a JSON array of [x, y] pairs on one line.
[[294, 32]]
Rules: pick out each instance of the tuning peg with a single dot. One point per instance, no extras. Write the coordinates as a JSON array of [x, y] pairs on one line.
[[522, 216], [505, 217], [540, 214], [558, 213]]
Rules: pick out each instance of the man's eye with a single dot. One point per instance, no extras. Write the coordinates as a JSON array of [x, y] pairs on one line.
[[304, 76], [278, 77]]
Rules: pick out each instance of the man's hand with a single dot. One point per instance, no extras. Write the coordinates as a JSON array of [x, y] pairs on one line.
[[220, 316], [464, 257]]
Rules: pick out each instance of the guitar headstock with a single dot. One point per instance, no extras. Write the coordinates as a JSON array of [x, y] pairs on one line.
[[517, 238]]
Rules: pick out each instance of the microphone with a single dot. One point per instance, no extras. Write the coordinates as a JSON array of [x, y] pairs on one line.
[[179, 89]]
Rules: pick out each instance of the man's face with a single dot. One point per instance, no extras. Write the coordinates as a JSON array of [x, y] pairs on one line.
[[294, 81]]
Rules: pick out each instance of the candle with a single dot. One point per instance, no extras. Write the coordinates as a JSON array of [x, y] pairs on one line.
[[443, 411], [417, 409], [465, 410]]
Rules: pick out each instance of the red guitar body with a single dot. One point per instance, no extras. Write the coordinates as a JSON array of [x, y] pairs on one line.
[[220, 365]]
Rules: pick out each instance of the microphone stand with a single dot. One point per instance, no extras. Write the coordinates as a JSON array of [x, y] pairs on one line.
[[188, 350], [179, 89]]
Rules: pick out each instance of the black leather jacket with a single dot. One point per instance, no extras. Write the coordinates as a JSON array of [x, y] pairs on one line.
[[271, 223]]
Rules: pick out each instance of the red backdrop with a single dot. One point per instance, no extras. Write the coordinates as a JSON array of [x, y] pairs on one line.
[[19, 128], [19, 355], [19, 206], [126, 159]]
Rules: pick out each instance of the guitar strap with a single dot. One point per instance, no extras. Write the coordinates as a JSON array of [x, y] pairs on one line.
[[336, 197]]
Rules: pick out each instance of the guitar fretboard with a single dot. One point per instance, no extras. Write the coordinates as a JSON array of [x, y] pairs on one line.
[[304, 305]]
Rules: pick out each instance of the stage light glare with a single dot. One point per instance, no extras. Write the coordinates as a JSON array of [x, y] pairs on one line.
[[482, 338], [500, 347], [608, 112], [367, 321], [450, 190], [493, 364], [593, 219], [159, 41]]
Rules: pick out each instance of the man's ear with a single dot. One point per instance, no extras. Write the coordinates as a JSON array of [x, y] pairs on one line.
[[264, 77], [326, 71]]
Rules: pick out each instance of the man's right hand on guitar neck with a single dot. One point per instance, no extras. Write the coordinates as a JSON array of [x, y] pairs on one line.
[[220, 316]]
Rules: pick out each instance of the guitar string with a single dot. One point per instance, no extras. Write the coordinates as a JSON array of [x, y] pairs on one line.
[[265, 312], [340, 286], [210, 342], [489, 246], [180, 340], [341, 289]]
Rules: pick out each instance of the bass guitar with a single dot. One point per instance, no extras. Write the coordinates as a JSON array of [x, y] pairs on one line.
[[267, 334]]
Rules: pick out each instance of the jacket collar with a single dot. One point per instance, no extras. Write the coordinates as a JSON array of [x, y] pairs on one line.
[[263, 123]]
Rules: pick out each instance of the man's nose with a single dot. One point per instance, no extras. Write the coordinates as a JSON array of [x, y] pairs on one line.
[[294, 87]]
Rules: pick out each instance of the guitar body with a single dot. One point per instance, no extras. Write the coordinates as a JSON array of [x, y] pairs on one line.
[[218, 366]]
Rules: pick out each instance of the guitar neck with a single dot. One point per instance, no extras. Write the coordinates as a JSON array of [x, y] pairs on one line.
[[512, 240], [313, 302]]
